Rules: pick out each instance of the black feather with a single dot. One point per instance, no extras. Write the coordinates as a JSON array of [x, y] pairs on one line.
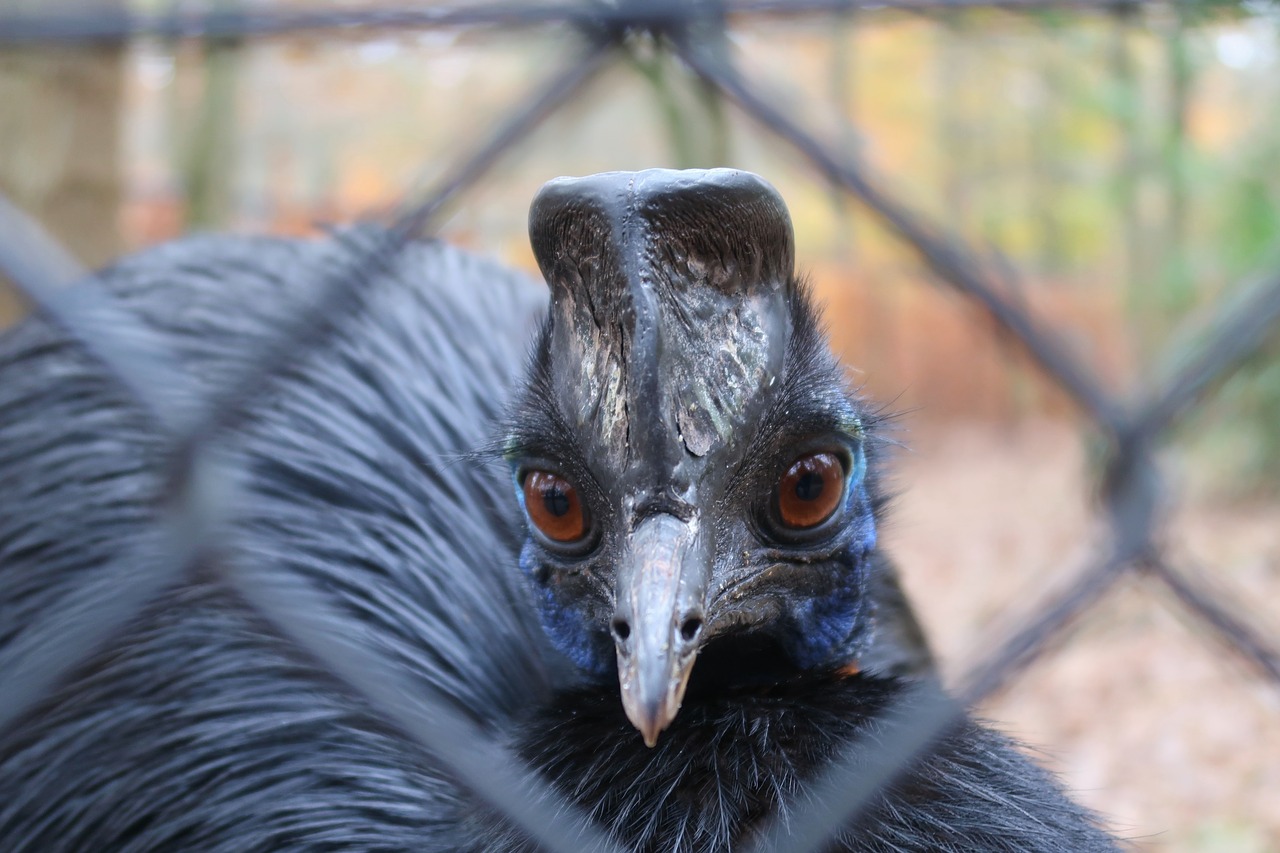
[[198, 728], [735, 758]]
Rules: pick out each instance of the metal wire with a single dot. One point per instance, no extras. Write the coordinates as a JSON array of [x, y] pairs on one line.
[[198, 481], [106, 26]]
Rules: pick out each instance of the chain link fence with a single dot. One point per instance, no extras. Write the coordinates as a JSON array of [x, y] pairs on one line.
[[1134, 425]]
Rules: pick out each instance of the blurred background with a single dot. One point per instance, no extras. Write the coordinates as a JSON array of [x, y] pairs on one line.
[[1124, 158]]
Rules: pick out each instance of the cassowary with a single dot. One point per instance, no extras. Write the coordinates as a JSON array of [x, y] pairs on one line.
[[644, 556]]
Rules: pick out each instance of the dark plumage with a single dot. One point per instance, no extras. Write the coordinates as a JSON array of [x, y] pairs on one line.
[[198, 728], [733, 758]]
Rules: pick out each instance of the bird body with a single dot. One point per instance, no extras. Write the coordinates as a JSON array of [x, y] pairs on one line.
[[519, 589], [198, 727]]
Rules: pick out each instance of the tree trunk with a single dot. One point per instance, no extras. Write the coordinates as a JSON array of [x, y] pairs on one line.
[[60, 145]]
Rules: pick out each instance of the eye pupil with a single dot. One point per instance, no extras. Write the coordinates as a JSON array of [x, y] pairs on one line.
[[809, 486], [556, 502]]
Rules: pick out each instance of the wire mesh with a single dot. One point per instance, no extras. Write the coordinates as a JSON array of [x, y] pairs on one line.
[[199, 484]]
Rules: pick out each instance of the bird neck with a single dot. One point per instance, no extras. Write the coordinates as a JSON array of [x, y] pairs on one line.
[[742, 662]]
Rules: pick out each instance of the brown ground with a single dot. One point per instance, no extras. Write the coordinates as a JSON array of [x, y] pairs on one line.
[[1147, 718]]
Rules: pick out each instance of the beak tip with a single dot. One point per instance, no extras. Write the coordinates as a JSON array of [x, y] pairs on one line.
[[651, 704], [650, 724]]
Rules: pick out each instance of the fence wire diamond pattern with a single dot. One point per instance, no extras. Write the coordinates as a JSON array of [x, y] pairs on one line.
[[199, 482]]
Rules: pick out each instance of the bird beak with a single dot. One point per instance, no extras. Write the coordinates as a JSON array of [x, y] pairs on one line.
[[658, 625]]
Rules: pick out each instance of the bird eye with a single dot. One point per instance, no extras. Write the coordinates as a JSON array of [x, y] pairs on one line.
[[810, 491], [554, 507]]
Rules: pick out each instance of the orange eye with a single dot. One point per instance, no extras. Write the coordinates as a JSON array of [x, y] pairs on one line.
[[810, 491], [554, 507]]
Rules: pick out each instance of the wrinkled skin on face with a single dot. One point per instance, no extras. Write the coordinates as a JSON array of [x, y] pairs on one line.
[[679, 376]]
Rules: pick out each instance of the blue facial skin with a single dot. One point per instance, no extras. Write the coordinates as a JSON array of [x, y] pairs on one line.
[[565, 626], [832, 630], [826, 631]]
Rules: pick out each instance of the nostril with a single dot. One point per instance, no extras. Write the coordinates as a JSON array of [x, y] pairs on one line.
[[689, 630], [621, 630]]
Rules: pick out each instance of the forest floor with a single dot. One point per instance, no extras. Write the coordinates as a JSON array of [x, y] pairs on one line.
[[1141, 710]]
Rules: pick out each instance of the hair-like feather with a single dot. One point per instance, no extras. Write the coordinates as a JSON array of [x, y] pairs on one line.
[[197, 728], [734, 759]]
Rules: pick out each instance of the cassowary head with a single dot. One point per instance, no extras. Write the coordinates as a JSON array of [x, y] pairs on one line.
[[691, 463]]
